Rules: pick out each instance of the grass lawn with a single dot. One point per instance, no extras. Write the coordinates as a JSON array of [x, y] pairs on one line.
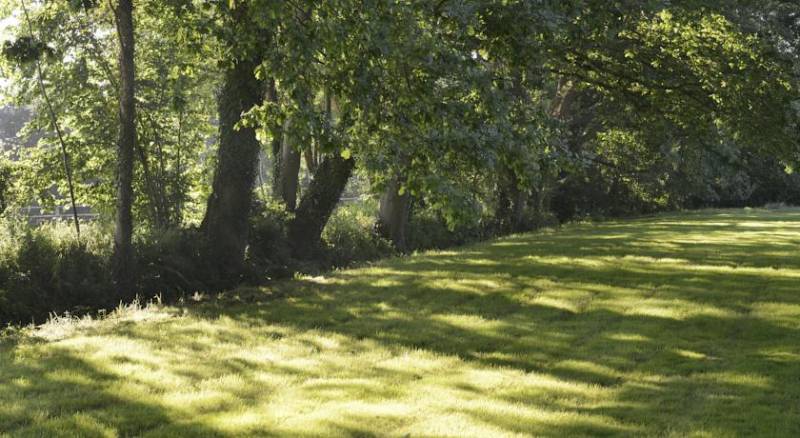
[[673, 325]]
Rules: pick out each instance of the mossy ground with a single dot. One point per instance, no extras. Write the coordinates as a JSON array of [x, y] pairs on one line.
[[677, 325]]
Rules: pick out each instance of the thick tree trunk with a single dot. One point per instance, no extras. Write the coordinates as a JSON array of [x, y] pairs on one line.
[[317, 204], [124, 269], [226, 220], [393, 215], [290, 170]]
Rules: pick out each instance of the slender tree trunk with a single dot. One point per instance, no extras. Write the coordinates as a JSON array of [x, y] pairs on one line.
[[57, 127], [150, 188], [124, 269], [261, 174], [565, 95], [277, 142], [313, 153], [226, 220], [311, 157], [159, 180], [317, 204], [159, 209], [511, 202], [519, 199], [290, 170], [502, 209], [393, 215], [179, 193], [511, 199]]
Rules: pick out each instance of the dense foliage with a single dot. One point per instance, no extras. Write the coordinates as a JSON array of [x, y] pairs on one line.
[[448, 121]]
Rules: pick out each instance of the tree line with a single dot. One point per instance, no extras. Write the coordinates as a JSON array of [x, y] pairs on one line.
[[489, 112]]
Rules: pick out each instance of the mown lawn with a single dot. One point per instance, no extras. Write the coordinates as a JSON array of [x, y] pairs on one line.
[[676, 325]]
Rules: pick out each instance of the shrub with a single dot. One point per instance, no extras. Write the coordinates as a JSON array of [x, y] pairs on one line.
[[537, 220], [349, 235], [269, 254], [775, 206], [170, 265], [48, 270], [428, 230]]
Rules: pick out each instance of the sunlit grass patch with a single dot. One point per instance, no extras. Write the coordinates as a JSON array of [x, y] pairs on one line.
[[676, 325]]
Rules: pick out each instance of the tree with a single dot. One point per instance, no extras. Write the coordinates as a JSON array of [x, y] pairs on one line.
[[176, 73], [289, 169], [56, 127], [394, 213], [124, 262], [318, 203], [226, 220], [227, 216]]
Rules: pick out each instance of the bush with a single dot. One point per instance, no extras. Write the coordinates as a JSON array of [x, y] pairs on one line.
[[537, 220], [170, 265], [350, 235], [48, 270], [428, 230], [269, 254], [776, 206]]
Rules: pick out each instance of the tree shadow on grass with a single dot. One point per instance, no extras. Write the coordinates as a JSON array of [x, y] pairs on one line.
[[601, 343], [578, 347], [680, 342], [58, 394]]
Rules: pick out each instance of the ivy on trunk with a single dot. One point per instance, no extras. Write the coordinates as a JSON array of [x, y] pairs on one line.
[[226, 220]]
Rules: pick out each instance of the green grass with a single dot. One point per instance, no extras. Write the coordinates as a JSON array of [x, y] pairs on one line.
[[675, 325]]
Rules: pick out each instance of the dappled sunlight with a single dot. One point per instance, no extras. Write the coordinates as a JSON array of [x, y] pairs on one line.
[[752, 380], [676, 309], [690, 354], [529, 335], [779, 313], [627, 337]]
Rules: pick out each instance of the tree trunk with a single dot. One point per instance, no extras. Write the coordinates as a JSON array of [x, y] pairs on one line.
[[519, 199], [565, 96], [312, 158], [393, 215], [290, 170], [277, 142], [502, 208], [156, 201], [317, 204], [65, 158], [124, 269], [226, 220], [511, 201]]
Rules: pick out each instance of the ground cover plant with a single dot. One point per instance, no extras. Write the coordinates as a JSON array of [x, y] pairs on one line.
[[674, 325]]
